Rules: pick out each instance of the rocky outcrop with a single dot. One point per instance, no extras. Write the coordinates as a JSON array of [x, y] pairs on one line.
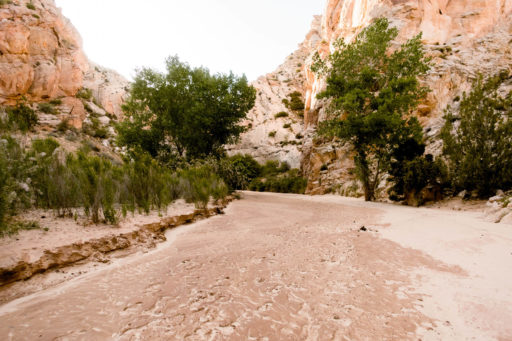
[[41, 58], [279, 138], [108, 88]]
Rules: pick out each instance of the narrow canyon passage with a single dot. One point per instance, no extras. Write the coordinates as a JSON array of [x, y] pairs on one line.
[[286, 267]]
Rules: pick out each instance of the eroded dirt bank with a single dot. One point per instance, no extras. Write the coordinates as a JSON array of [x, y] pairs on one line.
[[34, 252], [285, 267]]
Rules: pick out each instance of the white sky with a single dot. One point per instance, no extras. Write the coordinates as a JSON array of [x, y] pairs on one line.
[[244, 36]]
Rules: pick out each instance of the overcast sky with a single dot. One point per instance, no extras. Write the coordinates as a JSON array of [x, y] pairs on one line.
[[244, 36]]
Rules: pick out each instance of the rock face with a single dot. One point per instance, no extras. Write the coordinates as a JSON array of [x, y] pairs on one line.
[[41, 58], [463, 37], [281, 138]]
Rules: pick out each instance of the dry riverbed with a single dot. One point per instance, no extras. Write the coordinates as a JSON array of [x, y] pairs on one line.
[[290, 267], [64, 248]]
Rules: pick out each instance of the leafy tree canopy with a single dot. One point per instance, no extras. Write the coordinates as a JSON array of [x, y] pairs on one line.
[[185, 112], [373, 88], [478, 141]]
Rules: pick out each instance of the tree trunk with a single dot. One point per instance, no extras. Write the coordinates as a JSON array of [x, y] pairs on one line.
[[364, 175], [369, 194]]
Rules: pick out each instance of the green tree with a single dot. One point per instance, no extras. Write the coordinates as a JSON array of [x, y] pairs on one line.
[[478, 141], [373, 90], [185, 112]]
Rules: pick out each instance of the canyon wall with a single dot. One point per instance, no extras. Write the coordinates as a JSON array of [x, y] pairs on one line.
[[41, 58], [463, 38], [279, 138]]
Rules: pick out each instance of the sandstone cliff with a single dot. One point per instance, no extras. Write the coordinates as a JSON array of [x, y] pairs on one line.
[[41, 59], [281, 138], [463, 37]]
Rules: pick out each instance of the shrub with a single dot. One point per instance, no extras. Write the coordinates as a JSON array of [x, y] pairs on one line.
[[45, 177], [31, 6], [95, 129], [415, 175], [47, 108], [296, 102], [13, 175], [64, 125], [287, 126], [290, 182], [97, 180], [21, 117], [199, 184], [15, 227], [273, 167], [272, 133], [56, 101], [4, 191], [238, 171], [84, 93], [477, 141], [281, 114]]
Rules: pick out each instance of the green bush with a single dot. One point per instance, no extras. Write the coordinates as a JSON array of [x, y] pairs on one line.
[[95, 129], [281, 114], [31, 6], [478, 140], [64, 125], [48, 108], [15, 227], [14, 173], [45, 177], [56, 101], [272, 167], [4, 190], [278, 177], [238, 171], [415, 175], [290, 182], [84, 93], [98, 185], [21, 117], [294, 102], [272, 133], [199, 184]]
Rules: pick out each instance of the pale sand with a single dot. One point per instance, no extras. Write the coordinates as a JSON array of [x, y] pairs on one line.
[[288, 267]]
